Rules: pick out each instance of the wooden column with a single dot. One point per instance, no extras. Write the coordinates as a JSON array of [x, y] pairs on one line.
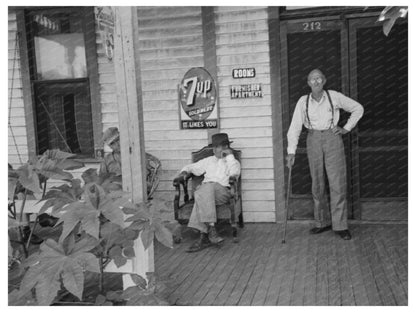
[[130, 114], [210, 55], [279, 150]]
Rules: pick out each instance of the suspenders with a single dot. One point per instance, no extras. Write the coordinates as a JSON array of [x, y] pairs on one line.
[[332, 110]]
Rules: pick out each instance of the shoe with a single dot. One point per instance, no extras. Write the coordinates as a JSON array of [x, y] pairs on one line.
[[202, 243], [344, 234], [318, 230], [213, 236]]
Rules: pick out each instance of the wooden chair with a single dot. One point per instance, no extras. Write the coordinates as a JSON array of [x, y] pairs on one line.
[[228, 212]]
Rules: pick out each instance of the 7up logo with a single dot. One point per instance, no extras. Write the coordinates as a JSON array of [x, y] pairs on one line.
[[200, 87]]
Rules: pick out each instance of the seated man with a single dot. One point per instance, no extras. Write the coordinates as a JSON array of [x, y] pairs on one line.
[[112, 161], [214, 190]]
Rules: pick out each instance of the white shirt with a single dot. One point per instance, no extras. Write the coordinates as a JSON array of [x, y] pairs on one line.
[[215, 169], [320, 115]]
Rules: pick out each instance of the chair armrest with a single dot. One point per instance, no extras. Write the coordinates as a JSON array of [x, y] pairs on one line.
[[234, 186]]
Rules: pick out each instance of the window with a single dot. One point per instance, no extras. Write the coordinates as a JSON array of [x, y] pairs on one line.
[[59, 73]]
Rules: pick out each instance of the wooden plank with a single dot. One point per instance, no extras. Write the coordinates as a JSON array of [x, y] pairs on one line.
[[311, 275], [171, 52], [277, 284], [177, 62], [258, 216], [251, 111], [259, 267], [241, 122], [257, 195], [240, 27], [257, 174], [129, 97], [243, 47], [239, 59], [322, 270], [206, 294], [297, 293], [395, 284], [347, 293], [288, 276], [250, 244], [163, 33], [167, 11], [245, 15], [200, 277], [370, 277], [357, 280], [270, 267], [173, 41], [253, 163]]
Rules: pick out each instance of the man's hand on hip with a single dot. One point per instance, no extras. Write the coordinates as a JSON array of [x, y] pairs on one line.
[[290, 160], [339, 130]]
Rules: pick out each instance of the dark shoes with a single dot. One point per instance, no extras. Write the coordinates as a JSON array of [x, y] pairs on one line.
[[206, 240], [318, 230], [344, 234], [202, 243], [213, 236]]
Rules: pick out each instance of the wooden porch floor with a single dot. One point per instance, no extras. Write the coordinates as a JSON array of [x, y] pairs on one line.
[[371, 269]]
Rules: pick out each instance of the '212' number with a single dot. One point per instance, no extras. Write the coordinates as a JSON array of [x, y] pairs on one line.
[[311, 26]]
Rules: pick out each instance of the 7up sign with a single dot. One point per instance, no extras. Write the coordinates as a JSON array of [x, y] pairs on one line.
[[197, 100]]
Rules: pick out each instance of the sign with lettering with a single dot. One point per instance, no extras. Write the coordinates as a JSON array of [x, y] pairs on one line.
[[246, 91], [244, 73], [197, 100], [105, 22]]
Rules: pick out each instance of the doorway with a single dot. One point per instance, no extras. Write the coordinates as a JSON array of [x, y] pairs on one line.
[[361, 62]]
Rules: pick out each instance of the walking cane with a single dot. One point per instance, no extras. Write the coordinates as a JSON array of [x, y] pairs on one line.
[[289, 182]]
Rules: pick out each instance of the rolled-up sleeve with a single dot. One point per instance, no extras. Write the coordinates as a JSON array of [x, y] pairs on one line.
[[295, 126], [197, 168]]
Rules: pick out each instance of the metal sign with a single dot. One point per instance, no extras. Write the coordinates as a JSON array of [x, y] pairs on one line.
[[105, 21], [244, 73], [197, 100], [246, 91]]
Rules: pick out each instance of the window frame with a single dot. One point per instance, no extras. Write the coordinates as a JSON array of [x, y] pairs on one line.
[[28, 74]]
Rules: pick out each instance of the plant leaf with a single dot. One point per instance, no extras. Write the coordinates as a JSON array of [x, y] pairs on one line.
[[163, 235], [139, 280], [128, 252], [29, 178], [48, 285], [73, 278], [112, 212], [88, 262], [147, 236]]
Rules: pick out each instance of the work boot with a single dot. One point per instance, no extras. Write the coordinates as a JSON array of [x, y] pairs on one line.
[[202, 243], [318, 230], [213, 236], [344, 234]]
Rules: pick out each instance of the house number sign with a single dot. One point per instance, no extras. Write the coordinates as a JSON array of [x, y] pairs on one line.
[[311, 26]]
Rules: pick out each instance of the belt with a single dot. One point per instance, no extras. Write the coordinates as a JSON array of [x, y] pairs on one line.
[[319, 131]]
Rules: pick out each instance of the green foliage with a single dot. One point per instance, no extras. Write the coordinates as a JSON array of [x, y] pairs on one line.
[[389, 16], [99, 224], [143, 293], [59, 263]]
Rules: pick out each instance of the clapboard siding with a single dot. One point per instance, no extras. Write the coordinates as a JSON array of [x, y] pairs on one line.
[[17, 135], [242, 41], [170, 40]]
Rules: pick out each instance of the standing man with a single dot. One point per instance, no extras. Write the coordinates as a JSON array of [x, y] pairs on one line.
[[319, 113], [214, 190]]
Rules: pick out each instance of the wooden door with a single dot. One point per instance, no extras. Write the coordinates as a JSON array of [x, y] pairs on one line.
[[306, 45], [379, 81]]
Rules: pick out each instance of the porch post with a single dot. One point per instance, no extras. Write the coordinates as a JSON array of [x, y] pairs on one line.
[[130, 113]]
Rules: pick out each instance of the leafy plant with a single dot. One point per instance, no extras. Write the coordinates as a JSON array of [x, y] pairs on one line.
[[99, 225]]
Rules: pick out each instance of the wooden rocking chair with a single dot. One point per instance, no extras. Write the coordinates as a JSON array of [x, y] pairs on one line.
[[227, 212]]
